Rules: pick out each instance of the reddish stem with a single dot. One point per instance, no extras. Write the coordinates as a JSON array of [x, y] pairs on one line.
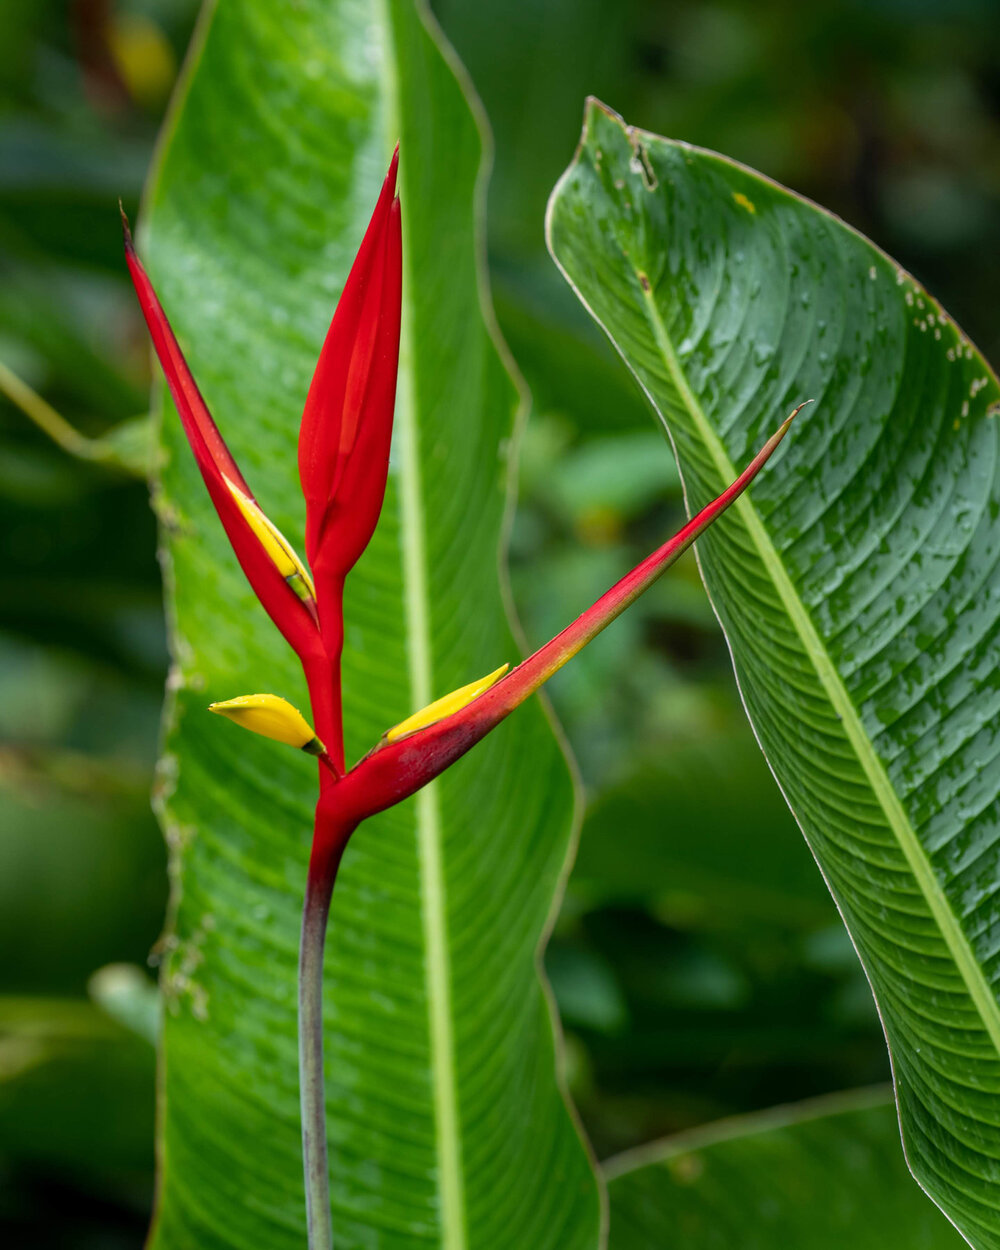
[[327, 850]]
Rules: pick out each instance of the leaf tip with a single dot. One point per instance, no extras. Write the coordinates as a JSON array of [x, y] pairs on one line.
[[783, 428]]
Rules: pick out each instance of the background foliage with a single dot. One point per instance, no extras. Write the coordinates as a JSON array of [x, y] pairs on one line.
[[697, 976]]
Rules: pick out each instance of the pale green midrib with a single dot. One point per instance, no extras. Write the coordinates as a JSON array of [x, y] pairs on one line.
[[433, 892], [432, 885], [896, 818]]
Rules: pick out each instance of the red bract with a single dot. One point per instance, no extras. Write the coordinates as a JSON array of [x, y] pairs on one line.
[[296, 620], [347, 422], [397, 768]]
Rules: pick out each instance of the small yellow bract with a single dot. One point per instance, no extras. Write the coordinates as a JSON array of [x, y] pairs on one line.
[[446, 706], [271, 717], [277, 546]]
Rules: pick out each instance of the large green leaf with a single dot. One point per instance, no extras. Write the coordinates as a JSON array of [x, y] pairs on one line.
[[817, 1176], [447, 1123], [856, 584]]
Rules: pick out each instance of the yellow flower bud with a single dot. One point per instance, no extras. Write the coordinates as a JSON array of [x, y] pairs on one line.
[[446, 705], [272, 717], [277, 546]]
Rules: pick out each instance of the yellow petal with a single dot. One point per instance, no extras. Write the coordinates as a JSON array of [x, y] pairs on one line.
[[277, 546], [445, 706], [272, 717]]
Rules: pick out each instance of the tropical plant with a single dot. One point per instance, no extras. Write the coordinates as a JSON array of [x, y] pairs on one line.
[[853, 584], [343, 464]]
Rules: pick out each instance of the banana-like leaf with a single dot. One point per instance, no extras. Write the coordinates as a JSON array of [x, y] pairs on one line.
[[821, 1175], [857, 583], [447, 1123]]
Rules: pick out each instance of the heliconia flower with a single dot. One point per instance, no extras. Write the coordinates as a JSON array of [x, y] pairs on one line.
[[272, 717]]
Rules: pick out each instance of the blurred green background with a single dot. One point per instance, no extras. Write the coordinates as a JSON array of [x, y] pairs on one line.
[[699, 964]]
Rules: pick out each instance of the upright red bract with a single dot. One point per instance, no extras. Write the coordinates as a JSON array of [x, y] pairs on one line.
[[347, 422]]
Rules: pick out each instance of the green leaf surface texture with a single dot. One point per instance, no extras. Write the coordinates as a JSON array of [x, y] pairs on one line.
[[448, 1126], [856, 583], [818, 1176]]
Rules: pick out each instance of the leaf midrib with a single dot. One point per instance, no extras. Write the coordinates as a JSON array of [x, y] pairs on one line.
[[826, 672], [416, 612]]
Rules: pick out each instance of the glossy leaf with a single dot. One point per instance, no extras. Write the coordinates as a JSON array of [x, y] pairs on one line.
[[447, 1124], [853, 583], [818, 1176]]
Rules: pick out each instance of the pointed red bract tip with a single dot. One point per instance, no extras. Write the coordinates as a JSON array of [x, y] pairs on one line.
[[126, 230], [347, 421]]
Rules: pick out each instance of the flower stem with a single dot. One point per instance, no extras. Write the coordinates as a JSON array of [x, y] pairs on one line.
[[316, 909]]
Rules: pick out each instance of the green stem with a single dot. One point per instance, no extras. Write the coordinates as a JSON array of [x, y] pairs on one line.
[[47, 419], [316, 909]]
